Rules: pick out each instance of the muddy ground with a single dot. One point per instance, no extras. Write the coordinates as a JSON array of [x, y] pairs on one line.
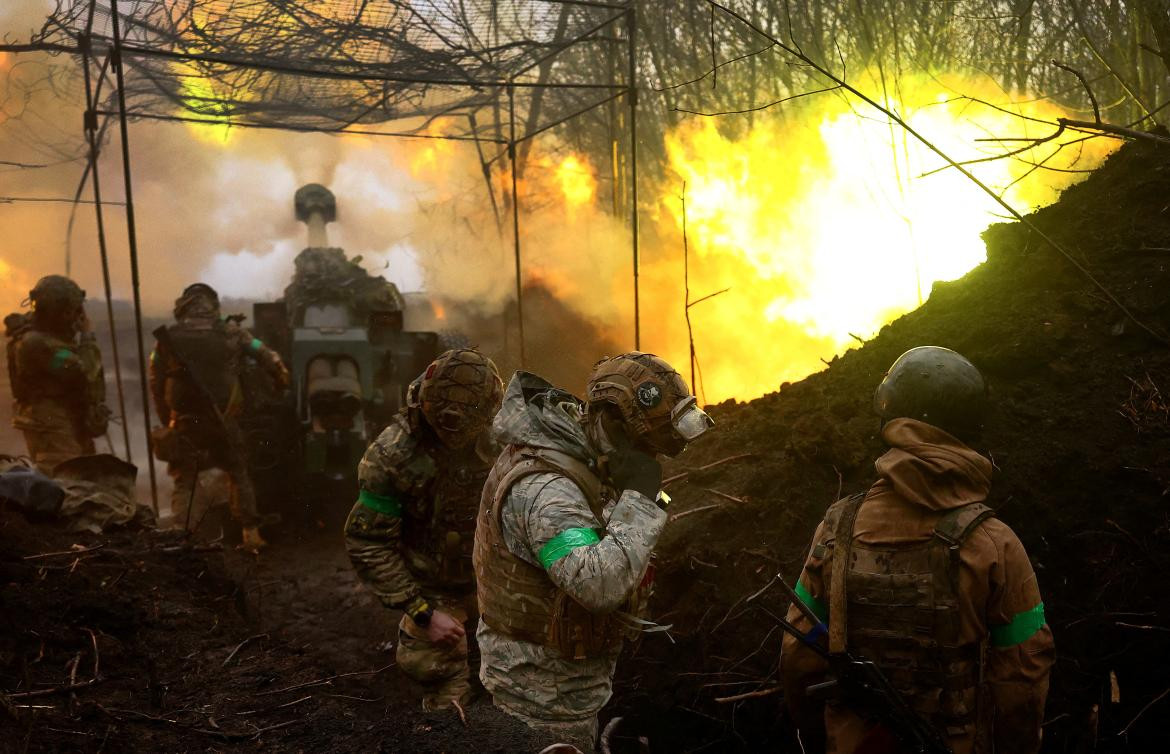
[[199, 648], [1081, 441]]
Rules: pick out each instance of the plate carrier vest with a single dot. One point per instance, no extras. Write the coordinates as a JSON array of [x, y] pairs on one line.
[[900, 609], [519, 599]]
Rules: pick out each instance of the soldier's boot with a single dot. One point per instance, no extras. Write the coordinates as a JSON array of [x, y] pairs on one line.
[[252, 539], [442, 694]]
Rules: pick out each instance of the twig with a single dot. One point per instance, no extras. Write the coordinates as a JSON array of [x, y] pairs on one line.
[[77, 551], [700, 509], [459, 708], [302, 700], [325, 681], [354, 698], [1109, 128], [50, 692], [1143, 628], [1084, 83], [241, 645], [1154, 701], [749, 695], [720, 462], [725, 496], [760, 107]]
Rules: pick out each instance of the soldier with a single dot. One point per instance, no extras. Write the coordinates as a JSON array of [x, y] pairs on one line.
[[567, 524], [55, 368], [940, 593], [195, 372], [410, 533]]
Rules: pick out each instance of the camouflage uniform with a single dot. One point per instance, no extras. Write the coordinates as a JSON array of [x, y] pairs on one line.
[[59, 389], [202, 410], [595, 552], [410, 536]]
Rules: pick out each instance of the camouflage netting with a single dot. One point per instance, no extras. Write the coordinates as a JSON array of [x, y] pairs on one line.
[[333, 64]]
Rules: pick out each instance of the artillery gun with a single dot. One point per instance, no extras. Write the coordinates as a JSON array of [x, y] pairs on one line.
[[341, 332]]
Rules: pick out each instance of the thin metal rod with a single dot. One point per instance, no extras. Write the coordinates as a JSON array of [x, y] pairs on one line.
[[132, 235], [632, 83], [89, 126], [516, 223], [299, 129]]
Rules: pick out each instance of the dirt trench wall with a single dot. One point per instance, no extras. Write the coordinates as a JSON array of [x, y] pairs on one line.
[[1080, 437]]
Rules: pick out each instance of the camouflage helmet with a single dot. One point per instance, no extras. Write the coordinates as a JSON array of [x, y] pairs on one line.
[[55, 295], [458, 395], [937, 386], [197, 300], [654, 403]]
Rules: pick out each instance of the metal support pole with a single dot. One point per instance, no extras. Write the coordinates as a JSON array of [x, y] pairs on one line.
[[516, 221], [632, 82], [91, 128], [131, 232]]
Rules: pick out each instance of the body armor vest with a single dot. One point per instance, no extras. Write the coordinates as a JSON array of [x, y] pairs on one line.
[[519, 599], [439, 537], [202, 365], [900, 609]]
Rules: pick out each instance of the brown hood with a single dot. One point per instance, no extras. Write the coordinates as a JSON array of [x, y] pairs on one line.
[[928, 467]]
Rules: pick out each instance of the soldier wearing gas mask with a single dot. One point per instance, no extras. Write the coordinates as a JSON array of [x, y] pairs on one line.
[[55, 368], [410, 534], [568, 521]]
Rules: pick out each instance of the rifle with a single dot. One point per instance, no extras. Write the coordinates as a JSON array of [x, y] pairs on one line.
[[860, 685]]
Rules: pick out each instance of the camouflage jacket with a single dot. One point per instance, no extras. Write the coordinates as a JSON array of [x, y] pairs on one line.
[[544, 518], [57, 383], [412, 528]]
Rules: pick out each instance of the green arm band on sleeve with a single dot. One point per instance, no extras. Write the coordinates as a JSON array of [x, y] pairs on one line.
[[60, 356], [564, 543], [1022, 628], [256, 344], [385, 504], [813, 603]]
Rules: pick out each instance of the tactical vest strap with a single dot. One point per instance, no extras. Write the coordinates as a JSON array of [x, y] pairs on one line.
[[956, 525], [838, 599]]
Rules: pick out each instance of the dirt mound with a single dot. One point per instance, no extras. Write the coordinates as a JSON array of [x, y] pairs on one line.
[[194, 649], [1080, 439]]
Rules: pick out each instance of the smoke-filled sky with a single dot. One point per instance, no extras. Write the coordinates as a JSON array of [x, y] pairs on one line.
[[208, 207]]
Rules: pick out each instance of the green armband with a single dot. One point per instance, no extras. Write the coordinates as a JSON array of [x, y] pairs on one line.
[[387, 505], [812, 602], [256, 345], [1023, 626], [60, 356], [564, 543]]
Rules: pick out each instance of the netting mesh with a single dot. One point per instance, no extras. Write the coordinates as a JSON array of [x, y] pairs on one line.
[[331, 64]]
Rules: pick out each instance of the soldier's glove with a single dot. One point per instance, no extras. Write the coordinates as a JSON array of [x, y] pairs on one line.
[[634, 470]]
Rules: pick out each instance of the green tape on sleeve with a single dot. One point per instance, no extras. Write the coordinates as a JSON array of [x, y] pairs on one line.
[[564, 543], [60, 356], [813, 603], [257, 344], [1023, 626], [387, 505]]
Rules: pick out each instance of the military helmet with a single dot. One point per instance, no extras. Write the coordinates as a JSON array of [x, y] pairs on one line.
[[56, 294], [655, 405], [935, 385], [197, 300], [458, 395]]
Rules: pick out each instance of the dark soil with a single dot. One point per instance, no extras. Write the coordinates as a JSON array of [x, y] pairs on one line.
[[314, 675], [1080, 439]]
